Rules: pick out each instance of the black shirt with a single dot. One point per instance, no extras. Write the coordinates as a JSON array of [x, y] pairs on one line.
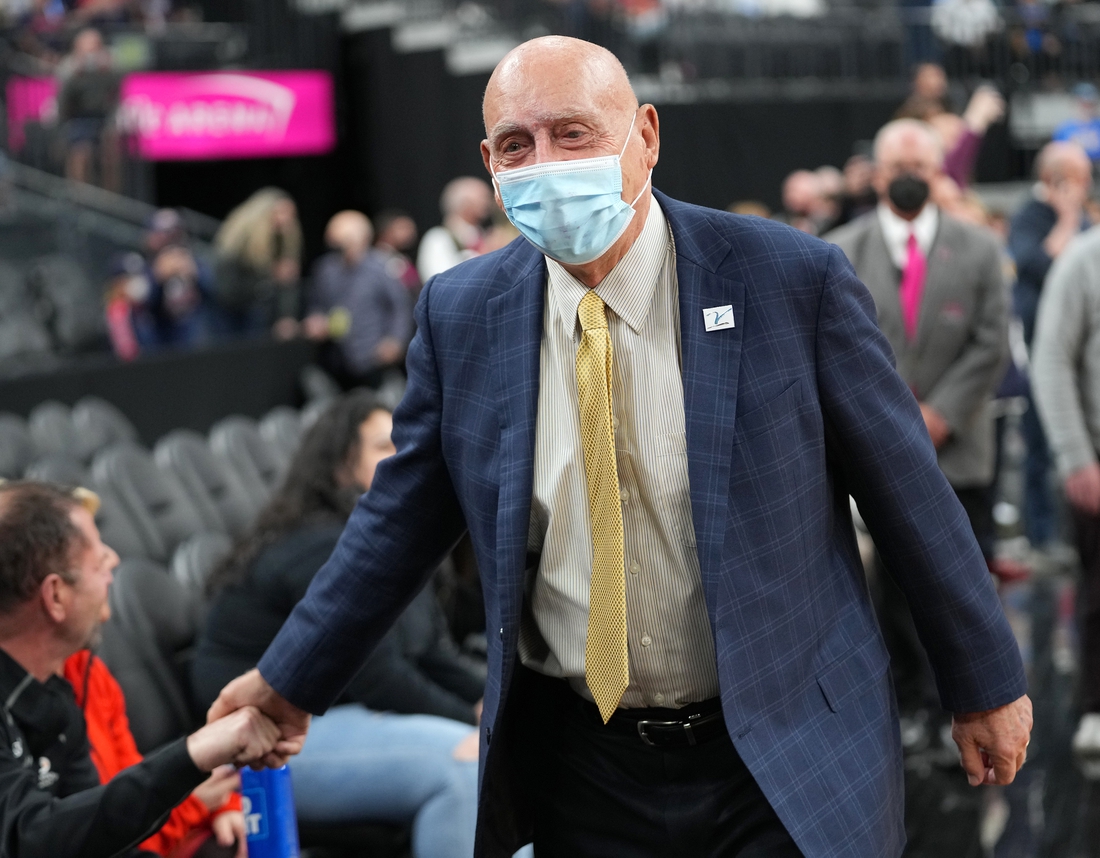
[[415, 669], [51, 802]]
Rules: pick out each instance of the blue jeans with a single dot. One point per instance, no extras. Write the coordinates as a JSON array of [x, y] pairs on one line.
[[363, 766]]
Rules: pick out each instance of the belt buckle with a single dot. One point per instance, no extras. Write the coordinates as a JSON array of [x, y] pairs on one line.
[[645, 738]]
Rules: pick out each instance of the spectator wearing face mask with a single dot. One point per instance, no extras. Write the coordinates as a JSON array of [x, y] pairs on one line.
[[181, 300], [130, 326]]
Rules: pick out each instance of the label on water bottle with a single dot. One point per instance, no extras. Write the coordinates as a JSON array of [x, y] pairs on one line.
[[254, 805], [271, 824]]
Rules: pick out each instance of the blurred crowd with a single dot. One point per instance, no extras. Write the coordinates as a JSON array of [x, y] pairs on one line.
[[356, 300]]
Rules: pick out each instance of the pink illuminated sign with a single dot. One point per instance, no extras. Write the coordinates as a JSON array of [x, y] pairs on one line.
[[174, 116], [30, 99], [196, 116]]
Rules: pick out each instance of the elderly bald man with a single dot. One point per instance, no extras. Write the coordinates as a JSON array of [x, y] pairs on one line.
[[649, 417], [1040, 231], [356, 301]]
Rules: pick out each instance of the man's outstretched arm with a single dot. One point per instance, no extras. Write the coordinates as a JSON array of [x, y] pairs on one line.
[[105, 820]]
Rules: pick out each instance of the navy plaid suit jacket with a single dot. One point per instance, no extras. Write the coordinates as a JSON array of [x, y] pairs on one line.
[[788, 413]]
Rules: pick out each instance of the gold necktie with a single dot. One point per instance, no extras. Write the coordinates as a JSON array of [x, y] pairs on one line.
[[605, 659]]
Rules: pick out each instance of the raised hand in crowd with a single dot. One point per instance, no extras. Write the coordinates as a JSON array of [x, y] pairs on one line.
[[252, 692]]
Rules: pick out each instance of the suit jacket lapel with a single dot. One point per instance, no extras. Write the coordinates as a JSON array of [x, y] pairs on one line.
[[711, 363], [883, 279], [938, 282], [515, 337]]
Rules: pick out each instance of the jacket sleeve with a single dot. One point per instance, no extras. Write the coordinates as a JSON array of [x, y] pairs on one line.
[[876, 438], [1061, 342], [964, 389], [384, 555], [98, 822]]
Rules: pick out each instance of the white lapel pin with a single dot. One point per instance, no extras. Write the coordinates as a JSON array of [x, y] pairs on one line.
[[717, 318]]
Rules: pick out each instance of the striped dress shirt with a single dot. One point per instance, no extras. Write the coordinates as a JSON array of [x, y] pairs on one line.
[[671, 650]]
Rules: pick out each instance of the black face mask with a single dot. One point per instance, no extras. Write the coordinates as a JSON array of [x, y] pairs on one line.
[[908, 193]]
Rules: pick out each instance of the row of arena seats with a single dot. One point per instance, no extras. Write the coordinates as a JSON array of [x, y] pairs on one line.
[[152, 501], [172, 514]]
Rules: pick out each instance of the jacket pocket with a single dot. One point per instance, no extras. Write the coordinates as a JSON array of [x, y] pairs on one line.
[[862, 665], [767, 416]]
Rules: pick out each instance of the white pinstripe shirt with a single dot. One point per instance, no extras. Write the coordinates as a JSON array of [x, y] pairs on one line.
[[671, 650]]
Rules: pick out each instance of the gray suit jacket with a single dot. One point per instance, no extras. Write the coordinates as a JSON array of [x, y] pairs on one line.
[[957, 358]]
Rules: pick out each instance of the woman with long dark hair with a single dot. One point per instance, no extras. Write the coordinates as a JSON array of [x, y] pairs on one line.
[[362, 761]]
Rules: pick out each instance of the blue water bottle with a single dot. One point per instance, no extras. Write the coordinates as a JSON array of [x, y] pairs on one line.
[[269, 819]]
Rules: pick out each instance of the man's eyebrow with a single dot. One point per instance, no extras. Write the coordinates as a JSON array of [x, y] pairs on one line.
[[503, 129]]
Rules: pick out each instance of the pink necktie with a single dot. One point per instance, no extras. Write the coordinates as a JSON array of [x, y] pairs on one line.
[[912, 286]]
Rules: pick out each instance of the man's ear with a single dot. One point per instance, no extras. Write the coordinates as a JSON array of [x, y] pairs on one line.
[[486, 159], [651, 134], [54, 594]]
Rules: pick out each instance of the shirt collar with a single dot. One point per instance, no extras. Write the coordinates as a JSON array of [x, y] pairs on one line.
[[629, 287], [896, 230]]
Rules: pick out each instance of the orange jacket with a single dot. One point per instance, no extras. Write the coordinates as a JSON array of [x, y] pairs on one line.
[[113, 747]]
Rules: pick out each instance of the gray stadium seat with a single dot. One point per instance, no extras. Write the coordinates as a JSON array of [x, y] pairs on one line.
[[312, 412], [23, 338], [115, 526], [76, 306], [17, 450], [98, 424], [317, 384], [51, 425], [153, 498], [213, 486], [237, 440], [281, 427], [146, 645], [196, 558], [58, 468]]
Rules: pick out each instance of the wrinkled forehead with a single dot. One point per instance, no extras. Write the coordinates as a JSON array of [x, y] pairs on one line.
[[546, 89]]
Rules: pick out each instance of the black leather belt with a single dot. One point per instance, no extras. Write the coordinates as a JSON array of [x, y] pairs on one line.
[[692, 725]]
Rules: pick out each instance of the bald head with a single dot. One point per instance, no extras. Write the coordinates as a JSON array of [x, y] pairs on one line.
[[1062, 160], [553, 72], [350, 232], [467, 197], [908, 136]]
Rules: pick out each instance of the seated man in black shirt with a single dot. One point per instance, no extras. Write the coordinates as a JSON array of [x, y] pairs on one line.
[[54, 576]]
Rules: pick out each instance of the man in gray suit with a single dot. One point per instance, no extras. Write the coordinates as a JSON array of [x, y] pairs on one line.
[[942, 303]]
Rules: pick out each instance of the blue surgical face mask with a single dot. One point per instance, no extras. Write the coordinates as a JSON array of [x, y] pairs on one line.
[[572, 211]]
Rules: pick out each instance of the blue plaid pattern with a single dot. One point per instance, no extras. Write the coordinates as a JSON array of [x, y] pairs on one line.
[[788, 413]]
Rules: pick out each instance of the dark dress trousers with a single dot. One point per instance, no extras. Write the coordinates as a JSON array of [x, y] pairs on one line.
[[788, 412]]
